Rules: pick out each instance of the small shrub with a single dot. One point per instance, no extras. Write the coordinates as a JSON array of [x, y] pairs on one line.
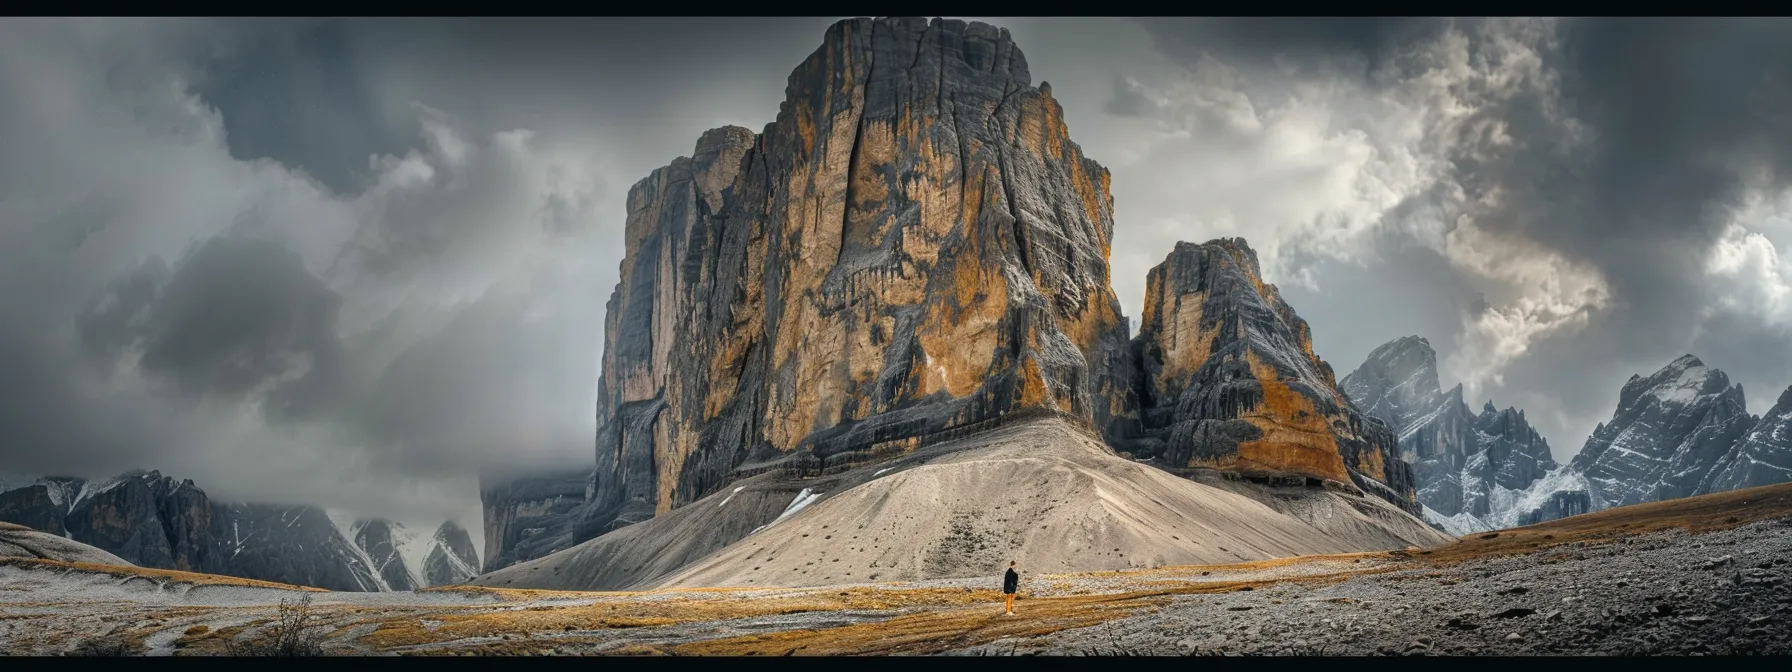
[[292, 635]]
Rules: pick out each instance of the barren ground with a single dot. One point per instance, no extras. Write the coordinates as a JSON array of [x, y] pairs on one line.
[[1706, 575]]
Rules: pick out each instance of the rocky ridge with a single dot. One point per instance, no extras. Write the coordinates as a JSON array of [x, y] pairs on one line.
[[1681, 431], [1471, 470]]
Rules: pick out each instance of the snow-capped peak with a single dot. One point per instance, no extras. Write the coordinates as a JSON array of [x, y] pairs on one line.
[[1692, 382]]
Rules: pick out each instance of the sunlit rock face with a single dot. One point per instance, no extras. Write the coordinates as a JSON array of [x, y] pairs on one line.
[[914, 245], [1230, 381]]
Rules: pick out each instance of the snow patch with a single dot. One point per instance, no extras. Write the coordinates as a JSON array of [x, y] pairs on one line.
[[1684, 390], [1508, 507], [1459, 525], [345, 525], [413, 550], [725, 499], [91, 488], [803, 499]]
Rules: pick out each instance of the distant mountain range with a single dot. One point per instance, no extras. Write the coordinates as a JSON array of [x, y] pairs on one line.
[[1682, 431], [152, 520]]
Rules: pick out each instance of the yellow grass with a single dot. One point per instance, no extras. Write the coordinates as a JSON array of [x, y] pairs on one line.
[[171, 575]]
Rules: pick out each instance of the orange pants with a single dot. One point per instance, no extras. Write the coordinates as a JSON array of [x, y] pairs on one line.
[[1010, 603]]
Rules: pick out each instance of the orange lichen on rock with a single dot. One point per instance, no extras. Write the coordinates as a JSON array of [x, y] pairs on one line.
[[1295, 436], [959, 334]]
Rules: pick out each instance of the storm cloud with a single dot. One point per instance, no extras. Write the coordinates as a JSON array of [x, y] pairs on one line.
[[360, 262], [1607, 194]]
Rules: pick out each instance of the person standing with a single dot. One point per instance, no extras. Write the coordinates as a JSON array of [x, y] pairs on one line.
[[1010, 583]]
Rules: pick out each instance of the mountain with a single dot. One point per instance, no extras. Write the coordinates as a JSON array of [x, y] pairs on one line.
[[451, 558], [1670, 430], [151, 520], [1231, 381], [1763, 457], [913, 253], [913, 245], [1680, 432], [405, 560], [38, 503], [1473, 472]]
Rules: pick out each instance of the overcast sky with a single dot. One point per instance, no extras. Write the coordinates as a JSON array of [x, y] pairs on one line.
[[355, 262]]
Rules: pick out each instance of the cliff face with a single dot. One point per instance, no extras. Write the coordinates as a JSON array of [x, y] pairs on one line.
[[1230, 381], [914, 244], [529, 517], [1762, 457], [145, 518]]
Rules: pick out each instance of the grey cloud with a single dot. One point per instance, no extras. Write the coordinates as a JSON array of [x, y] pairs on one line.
[[241, 314], [324, 95], [1130, 100], [114, 320], [1625, 151]]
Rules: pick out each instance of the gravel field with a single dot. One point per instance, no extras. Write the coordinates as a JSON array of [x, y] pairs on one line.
[[1669, 593], [1618, 583]]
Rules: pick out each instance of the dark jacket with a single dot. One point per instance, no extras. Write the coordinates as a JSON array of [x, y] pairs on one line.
[[1010, 581]]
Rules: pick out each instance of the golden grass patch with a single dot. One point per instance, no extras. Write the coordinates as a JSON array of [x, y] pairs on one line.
[[940, 630], [168, 575]]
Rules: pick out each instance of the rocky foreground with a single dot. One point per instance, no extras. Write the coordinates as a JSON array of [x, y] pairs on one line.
[[1707, 575]]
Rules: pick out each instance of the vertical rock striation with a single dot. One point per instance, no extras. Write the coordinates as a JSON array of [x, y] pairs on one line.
[[1762, 457], [452, 558], [913, 245], [1230, 381]]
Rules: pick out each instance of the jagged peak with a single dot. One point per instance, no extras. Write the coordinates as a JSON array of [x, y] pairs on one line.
[[1490, 408], [1402, 345], [449, 527], [1785, 400], [1685, 361], [720, 136], [836, 39], [1686, 380]]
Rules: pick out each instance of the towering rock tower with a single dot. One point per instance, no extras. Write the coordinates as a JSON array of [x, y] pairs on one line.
[[914, 245], [1230, 381]]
